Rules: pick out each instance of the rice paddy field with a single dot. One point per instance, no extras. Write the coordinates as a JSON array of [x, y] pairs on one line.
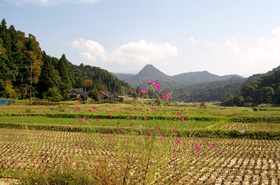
[[138, 144]]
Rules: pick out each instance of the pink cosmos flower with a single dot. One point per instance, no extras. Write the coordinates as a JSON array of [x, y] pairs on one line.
[[142, 96], [154, 164], [150, 83], [169, 98], [174, 149], [183, 120], [160, 134], [76, 144], [187, 94], [87, 119], [89, 110], [80, 120], [158, 87], [179, 113], [145, 117], [128, 117], [118, 128], [143, 91], [151, 130], [55, 164], [164, 96], [197, 148], [194, 153], [217, 151], [211, 145], [148, 134], [194, 181], [97, 119], [173, 130], [158, 128], [162, 155], [78, 108], [153, 108], [178, 140], [94, 107], [155, 83], [110, 116]]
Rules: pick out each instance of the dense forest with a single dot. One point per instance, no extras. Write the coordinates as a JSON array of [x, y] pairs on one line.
[[258, 89], [24, 66]]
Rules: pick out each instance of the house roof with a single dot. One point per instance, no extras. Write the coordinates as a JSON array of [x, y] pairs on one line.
[[78, 91]]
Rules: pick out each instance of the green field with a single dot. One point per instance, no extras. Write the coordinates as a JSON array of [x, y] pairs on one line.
[[222, 145]]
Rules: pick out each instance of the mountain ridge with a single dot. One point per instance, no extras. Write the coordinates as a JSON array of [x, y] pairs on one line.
[[150, 73]]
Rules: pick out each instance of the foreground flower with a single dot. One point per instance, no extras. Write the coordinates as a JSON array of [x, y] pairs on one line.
[[110, 116], [155, 83], [173, 130], [93, 107], [128, 117], [78, 108], [183, 120], [76, 144], [174, 149], [197, 148], [80, 120], [143, 91], [87, 119], [145, 117], [211, 145], [97, 119], [118, 128], [178, 140], [148, 134], [153, 108], [179, 113], [158, 87], [217, 151]]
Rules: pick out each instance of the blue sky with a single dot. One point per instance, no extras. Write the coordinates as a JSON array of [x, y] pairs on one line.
[[223, 37]]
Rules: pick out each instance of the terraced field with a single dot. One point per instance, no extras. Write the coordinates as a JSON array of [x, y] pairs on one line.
[[150, 159]]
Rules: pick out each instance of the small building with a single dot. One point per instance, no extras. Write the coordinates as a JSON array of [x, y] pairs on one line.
[[106, 95], [78, 93]]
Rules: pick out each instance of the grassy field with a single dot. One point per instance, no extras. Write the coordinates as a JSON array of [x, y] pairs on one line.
[[139, 144]]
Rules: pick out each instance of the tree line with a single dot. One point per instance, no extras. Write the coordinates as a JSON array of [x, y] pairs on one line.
[[25, 68], [258, 89]]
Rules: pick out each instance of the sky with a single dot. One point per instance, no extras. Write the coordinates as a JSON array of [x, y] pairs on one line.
[[176, 36]]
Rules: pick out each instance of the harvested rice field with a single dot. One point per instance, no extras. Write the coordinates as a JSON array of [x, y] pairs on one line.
[[134, 159]]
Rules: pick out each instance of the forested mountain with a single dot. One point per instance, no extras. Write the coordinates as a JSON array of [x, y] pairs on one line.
[[23, 63], [258, 89], [150, 73], [208, 91]]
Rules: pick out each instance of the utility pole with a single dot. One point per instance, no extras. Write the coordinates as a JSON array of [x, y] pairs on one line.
[[30, 87], [85, 89]]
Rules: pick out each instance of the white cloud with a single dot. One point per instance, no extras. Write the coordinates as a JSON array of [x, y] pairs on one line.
[[210, 46], [267, 48], [233, 47], [132, 54], [50, 2]]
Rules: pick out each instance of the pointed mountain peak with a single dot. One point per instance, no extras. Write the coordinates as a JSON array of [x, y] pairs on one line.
[[151, 71]]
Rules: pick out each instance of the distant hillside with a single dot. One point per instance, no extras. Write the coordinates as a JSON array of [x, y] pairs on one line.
[[258, 89], [150, 73]]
